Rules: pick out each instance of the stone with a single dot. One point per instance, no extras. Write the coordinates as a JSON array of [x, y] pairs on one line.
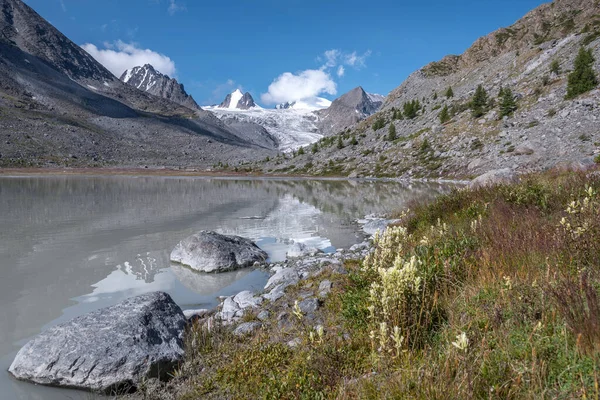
[[325, 288], [494, 177], [524, 149], [298, 250], [379, 224], [286, 276], [195, 314], [109, 350], [246, 299], [309, 305], [263, 316], [247, 328], [208, 251], [294, 343]]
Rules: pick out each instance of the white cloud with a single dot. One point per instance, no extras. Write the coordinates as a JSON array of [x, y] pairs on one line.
[[341, 71], [120, 56], [293, 87], [63, 6], [175, 7], [335, 57]]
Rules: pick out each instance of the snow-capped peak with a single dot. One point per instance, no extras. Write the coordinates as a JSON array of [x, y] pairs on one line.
[[238, 101]]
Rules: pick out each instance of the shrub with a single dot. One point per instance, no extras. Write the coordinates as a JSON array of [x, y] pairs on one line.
[[340, 143], [378, 124], [583, 78], [301, 151], [354, 142], [315, 147], [444, 115], [555, 67], [411, 109]]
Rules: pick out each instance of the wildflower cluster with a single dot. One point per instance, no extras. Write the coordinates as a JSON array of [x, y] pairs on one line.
[[576, 221]]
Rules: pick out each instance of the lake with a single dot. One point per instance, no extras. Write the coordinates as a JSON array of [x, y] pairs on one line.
[[73, 244]]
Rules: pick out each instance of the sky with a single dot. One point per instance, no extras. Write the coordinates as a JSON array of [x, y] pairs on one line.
[[278, 50]]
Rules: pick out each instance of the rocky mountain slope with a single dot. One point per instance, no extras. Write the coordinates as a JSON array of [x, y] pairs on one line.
[[58, 106], [150, 80], [349, 109], [533, 58]]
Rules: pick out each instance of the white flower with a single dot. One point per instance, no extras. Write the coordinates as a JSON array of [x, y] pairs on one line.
[[462, 342]]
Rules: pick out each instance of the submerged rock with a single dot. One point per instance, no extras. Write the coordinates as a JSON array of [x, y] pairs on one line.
[[109, 350], [212, 252]]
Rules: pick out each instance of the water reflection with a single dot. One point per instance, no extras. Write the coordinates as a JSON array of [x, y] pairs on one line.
[[73, 244]]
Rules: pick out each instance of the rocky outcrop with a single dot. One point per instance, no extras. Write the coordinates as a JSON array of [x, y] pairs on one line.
[[212, 252], [110, 350], [348, 109], [150, 80], [495, 177], [246, 102]]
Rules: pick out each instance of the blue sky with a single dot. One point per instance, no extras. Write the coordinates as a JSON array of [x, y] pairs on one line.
[[277, 48]]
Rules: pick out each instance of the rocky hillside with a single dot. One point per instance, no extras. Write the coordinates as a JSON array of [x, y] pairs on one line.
[[149, 80], [411, 137], [59, 107], [348, 109]]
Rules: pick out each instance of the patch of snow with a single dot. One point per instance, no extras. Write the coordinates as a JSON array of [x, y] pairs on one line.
[[128, 75], [27, 61], [106, 84], [236, 96], [92, 87]]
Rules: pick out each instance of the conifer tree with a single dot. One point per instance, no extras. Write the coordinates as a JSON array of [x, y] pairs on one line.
[[392, 133], [315, 147], [479, 103], [449, 92], [340, 143], [435, 96], [508, 104], [444, 115], [301, 151], [555, 67], [583, 78], [354, 141]]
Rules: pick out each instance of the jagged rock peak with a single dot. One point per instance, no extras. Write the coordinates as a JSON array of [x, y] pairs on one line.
[[148, 79], [238, 100]]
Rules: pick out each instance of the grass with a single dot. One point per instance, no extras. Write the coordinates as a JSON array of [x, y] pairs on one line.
[[488, 293]]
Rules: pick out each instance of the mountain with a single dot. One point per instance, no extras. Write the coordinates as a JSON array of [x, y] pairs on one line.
[[238, 101], [349, 109], [149, 80], [60, 107], [533, 58]]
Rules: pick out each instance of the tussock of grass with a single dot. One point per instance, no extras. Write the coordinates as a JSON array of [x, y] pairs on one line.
[[489, 293]]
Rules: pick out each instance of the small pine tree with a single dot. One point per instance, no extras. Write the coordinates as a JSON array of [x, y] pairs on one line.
[[444, 115], [301, 151], [508, 104], [449, 92], [378, 124], [583, 78], [315, 148], [501, 92], [555, 67], [435, 96], [479, 103], [340, 143], [392, 133], [354, 141]]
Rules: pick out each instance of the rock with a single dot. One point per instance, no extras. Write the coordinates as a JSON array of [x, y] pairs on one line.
[[108, 350], [494, 177], [195, 314], [263, 316], [294, 343], [247, 328], [286, 276], [380, 224], [309, 305], [359, 246], [325, 288], [524, 149], [476, 163], [298, 250], [230, 311], [212, 252], [246, 299]]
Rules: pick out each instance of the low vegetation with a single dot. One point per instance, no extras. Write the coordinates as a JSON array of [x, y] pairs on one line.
[[488, 293], [583, 78]]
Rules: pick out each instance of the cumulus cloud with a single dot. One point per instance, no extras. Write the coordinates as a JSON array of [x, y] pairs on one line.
[[303, 85], [120, 56], [341, 71]]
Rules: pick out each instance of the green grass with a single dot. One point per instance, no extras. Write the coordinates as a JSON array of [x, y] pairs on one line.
[[513, 268]]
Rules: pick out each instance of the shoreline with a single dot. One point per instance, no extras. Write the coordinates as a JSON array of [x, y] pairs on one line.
[[196, 173]]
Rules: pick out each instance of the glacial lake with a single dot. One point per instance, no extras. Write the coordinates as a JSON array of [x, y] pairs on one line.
[[73, 244]]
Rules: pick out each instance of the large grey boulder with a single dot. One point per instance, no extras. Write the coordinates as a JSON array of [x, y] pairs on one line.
[[110, 350], [208, 251], [495, 177], [298, 250]]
